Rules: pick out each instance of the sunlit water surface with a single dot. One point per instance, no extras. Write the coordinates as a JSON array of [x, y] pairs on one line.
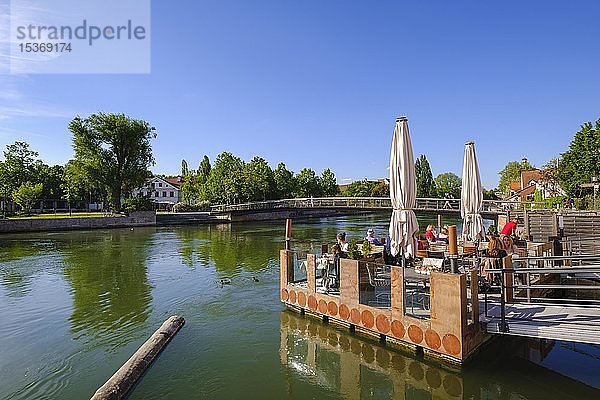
[[74, 306]]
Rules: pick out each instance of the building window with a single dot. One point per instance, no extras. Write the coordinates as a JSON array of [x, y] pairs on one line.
[[160, 185], [155, 194], [153, 185], [164, 194], [171, 194]]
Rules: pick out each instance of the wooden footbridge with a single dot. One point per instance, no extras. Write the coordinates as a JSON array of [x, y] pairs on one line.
[[491, 208]]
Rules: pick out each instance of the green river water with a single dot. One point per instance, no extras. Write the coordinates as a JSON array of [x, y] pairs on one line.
[[75, 305]]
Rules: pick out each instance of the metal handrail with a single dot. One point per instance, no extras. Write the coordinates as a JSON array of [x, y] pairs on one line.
[[503, 325], [362, 202]]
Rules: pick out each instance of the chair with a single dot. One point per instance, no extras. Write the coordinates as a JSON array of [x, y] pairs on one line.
[[378, 279]]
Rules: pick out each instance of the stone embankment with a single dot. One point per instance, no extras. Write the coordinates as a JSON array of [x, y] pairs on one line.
[[140, 218]]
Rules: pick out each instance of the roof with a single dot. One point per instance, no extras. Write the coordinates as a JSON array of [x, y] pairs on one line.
[[531, 175], [515, 185], [177, 182]]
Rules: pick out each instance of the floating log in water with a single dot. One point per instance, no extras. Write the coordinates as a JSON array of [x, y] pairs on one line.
[[123, 380]]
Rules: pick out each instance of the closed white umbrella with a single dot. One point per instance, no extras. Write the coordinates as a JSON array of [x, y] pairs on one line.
[[403, 192], [471, 197]]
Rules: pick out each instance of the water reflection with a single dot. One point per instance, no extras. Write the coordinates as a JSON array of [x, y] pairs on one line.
[[108, 276], [229, 247], [359, 369], [336, 361], [16, 273]]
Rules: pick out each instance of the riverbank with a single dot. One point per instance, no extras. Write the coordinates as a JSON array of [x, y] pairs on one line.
[[134, 219]]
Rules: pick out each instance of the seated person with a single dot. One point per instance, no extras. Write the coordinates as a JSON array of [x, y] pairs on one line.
[[443, 236], [341, 241], [371, 237], [333, 274], [493, 257], [509, 246], [431, 234]]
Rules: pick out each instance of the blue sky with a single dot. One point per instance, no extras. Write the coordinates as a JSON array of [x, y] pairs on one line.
[[319, 84]]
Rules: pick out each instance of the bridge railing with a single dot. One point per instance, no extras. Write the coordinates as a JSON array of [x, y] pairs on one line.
[[368, 203]]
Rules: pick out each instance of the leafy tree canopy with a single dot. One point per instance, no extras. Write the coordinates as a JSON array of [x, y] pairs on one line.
[[225, 183], [450, 183], [284, 181], [512, 172], [582, 161], [259, 180], [27, 194], [114, 152], [362, 188], [329, 186], [424, 177], [307, 184]]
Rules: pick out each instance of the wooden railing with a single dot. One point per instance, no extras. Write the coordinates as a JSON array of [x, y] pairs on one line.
[[364, 203]]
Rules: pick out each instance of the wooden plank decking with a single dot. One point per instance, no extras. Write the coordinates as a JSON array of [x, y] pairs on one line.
[[558, 322]]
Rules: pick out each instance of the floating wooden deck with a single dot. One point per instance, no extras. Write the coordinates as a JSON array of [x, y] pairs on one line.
[[558, 322], [447, 331]]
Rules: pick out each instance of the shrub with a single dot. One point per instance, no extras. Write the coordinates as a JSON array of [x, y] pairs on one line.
[[138, 203], [366, 248], [353, 252], [200, 206]]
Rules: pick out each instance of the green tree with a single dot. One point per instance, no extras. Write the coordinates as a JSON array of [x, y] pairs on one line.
[[259, 180], [425, 183], [51, 178], [225, 183], [511, 173], [450, 183], [114, 151], [362, 188], [284, 182], [307, 184], [184, 168], [27, 194], [191, 189], [381, 189], [204, 169], [582, 161], [329, 186], [19, 164]]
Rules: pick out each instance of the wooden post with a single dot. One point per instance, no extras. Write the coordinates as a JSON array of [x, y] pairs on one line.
[[453, 248], [123, 380], [288, 233], [440, 221]]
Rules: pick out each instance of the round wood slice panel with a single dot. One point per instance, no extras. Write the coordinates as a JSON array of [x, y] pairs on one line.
[[344, 312], [355, 316], [451, 344], [332, 308], [367, 319], [382, 323], [322, 306], [292, 296], [415, 334], [432, 339], [397, 329], [312, 303], [301, 299], [284, 295]]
